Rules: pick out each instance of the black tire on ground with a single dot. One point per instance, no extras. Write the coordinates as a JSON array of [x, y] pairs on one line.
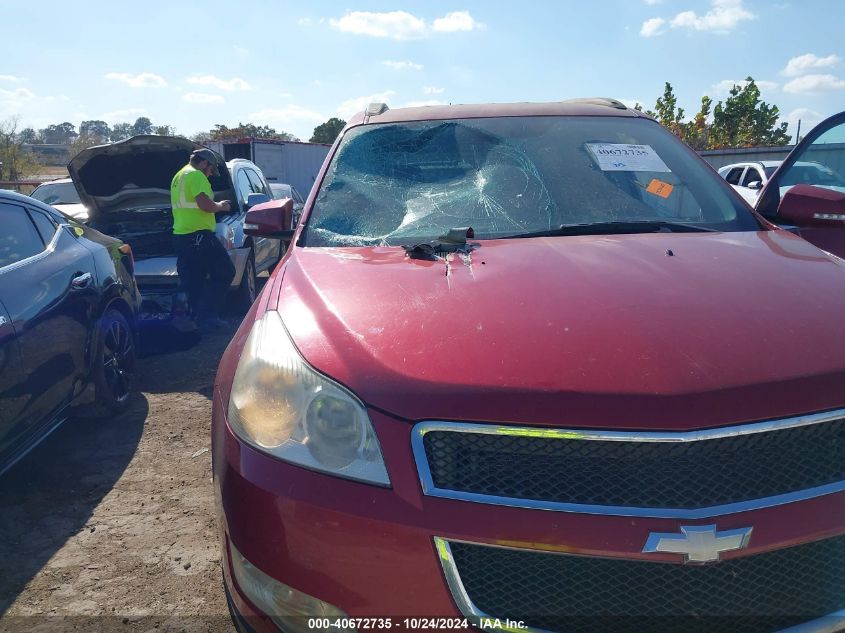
[[113, 364], [247, 290]]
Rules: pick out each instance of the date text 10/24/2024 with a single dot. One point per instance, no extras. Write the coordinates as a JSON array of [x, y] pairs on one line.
[[420, 624]]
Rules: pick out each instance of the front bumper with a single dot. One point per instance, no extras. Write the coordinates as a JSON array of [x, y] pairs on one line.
[[374, 552]]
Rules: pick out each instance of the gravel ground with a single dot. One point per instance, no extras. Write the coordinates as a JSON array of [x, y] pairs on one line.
[[110, 525]]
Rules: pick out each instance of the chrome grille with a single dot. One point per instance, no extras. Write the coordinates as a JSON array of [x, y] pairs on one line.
[[561, 592], [659, 471]]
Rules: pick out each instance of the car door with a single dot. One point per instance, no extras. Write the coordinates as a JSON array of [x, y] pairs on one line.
[[12, 396], [818, 160], [48, 286], [266, 250]]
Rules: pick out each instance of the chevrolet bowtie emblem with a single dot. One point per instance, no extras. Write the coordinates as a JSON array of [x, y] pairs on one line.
[[698, 543]]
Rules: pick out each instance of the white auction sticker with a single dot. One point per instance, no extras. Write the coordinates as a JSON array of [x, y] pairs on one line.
[[619, 157]]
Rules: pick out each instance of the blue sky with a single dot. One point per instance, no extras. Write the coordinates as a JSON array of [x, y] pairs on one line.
[[292, 65]]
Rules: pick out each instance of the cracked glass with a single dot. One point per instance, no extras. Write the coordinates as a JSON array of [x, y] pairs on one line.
[[402, 183]]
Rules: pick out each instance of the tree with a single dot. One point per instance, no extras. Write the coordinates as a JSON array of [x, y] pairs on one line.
[[28, 135], [221, 132], [746, 121], [16, 163], [164, 130], [95, 130], [142, 126], [60, 134], [327, 132], [120, 131], [667, 114], [697, 132]]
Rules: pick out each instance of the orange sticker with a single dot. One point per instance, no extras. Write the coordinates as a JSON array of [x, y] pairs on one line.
[[660, 188]]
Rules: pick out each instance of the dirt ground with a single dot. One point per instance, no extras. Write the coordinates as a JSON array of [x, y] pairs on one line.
[[110, 525]]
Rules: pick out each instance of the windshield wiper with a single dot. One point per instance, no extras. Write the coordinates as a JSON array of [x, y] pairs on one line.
[[615, 228]]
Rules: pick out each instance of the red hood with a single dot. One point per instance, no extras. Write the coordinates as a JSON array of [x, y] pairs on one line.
[[608, 332]]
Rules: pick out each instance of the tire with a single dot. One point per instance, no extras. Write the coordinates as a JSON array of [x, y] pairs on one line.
[[248, 289], [113, 364]]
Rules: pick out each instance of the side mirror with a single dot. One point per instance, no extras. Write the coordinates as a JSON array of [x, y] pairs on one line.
[[806, 205], [254, 199], [270, 219], [755, 184]]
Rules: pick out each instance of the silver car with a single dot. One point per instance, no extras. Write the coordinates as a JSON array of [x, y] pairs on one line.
[[126, 188]]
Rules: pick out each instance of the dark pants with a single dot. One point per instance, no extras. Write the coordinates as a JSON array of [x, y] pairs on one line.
[[205, 272]]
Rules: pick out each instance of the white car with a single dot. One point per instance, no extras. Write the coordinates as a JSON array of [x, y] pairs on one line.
[[62, 195], [749, 178]]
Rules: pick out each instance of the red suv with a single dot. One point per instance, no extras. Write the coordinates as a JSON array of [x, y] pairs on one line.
[[533, 367]]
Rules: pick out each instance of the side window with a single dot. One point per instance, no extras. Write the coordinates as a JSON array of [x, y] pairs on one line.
[[734, 175], [45, 225], [752, 175], [19, 239], [296, 197], [244, 186], [257, 185]]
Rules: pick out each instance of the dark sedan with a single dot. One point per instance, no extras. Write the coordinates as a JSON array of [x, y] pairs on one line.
[[68, 309]]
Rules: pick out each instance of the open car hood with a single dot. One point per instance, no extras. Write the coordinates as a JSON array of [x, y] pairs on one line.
[[136, 173]]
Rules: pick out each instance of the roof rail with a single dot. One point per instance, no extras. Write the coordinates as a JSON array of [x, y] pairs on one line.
[[603, 101], [374, 109]]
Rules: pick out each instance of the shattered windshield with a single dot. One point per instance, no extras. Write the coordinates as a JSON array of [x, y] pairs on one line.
[[399, 183]]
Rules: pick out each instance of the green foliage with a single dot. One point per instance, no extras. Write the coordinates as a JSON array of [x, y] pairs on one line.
[[221, 132], [742, 121], [142, 126], [17, 163], [59, 134], [667, 114], [746, 121], [164, 130], [120, 131], [95, 131], [327, 132], [28, 135]]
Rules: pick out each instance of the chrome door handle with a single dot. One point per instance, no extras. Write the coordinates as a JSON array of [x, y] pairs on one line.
[[81, 281]]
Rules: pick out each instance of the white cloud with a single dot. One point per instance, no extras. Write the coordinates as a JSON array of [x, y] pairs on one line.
[[456, 21], [401, 25], [11, 78], [809, 119], [652, 27], [417, 104], [142, 80], [432, 90], [282, 117], [305, 22], [123, 116], [17, 94], [202, 97], [397, 25], [653, 1], [724, 87], [356, 104], [724, 16], [235, 83], [814, 84], [804, 63], [402, 65]]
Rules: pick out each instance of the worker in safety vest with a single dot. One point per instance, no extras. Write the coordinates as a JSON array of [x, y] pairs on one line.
[[203, 264]]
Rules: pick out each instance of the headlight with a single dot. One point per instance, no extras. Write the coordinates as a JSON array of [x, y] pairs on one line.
[[283, 407]]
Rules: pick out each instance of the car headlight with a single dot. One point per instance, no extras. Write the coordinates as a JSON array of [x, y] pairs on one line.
[[281, 406]]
